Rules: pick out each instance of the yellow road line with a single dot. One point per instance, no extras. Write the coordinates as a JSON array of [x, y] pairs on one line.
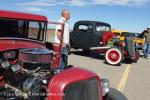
[[124, 78]]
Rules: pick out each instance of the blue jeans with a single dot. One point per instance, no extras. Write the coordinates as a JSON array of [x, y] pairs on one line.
[[64, 57], [146, 49]]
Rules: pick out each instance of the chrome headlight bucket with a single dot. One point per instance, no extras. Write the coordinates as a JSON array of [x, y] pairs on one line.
[[105, 86]]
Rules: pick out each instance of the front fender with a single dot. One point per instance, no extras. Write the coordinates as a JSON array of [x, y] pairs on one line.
[[60, 81]]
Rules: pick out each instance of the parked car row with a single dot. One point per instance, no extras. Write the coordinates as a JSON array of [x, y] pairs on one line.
[[29, 66], [139, 41]]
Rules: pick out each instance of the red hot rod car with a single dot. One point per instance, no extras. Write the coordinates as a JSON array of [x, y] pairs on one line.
[[29, 66], [94, 35]]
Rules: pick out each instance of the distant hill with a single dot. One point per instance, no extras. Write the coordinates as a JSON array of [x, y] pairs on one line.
[[35, 30], [51, 31]]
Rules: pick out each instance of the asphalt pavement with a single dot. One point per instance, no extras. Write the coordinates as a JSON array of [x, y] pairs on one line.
[[132, 79]]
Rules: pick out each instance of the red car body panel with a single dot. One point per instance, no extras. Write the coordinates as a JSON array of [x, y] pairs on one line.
[[16, 43], [56, 49], [107, 36], [60, 81], [23, 16]]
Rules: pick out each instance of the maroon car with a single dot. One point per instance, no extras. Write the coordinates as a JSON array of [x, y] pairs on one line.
[[29, 66]]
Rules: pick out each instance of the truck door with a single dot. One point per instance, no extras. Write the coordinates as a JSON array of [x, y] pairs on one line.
[[83, 36], [98, 35]]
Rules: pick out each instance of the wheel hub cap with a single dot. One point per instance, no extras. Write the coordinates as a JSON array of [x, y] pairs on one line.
[[113, 56]]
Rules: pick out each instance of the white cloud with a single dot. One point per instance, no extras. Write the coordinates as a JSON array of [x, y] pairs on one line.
[[109, 2], [140, 2], [33, 9], [77, 2], [121, 2], [37, 3], [84, 2]]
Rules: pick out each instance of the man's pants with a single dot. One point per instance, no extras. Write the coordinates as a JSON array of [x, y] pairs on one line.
[[64, 57], [146, 49]]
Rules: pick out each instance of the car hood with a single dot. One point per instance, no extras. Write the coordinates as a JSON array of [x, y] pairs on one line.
[[16, 43]]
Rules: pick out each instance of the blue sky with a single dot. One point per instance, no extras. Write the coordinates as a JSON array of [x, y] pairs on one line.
[[130, 15]]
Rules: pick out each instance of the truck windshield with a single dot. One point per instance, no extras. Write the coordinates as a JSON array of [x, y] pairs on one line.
[[101, 27], [126, 34], [22, 29]]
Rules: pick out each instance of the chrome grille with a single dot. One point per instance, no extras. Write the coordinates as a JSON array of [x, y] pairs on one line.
[[83, 90]]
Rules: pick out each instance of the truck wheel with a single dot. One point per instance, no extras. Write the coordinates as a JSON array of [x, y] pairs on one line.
[[136, 56], [114, 94], [113, 56]]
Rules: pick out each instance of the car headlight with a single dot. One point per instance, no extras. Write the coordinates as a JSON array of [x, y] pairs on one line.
[[105, 86]]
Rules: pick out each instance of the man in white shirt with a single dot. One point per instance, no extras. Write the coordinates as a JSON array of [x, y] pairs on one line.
[[65, 17]]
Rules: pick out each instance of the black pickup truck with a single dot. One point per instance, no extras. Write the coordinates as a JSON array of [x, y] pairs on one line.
[[95, 35], [88, 34]]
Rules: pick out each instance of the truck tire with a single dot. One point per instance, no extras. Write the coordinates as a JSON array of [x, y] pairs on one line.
[[136, 56], [114, 56], [114, 94]]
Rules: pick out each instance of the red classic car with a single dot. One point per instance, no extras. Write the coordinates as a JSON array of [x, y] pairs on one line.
[[29, 66]]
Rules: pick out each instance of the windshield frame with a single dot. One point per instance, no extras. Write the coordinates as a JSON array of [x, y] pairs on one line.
[[25, 31], [104, 25]]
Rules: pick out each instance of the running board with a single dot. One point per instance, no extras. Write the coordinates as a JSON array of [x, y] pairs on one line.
[[95, 48], [99, 48]]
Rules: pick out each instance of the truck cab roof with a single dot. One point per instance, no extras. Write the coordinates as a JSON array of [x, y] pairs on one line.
[[22, 16], [92, 22]]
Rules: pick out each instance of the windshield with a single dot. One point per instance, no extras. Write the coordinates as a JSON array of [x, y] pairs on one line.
[[102, 27], [126, 34], [22, 29], [85, 28]]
